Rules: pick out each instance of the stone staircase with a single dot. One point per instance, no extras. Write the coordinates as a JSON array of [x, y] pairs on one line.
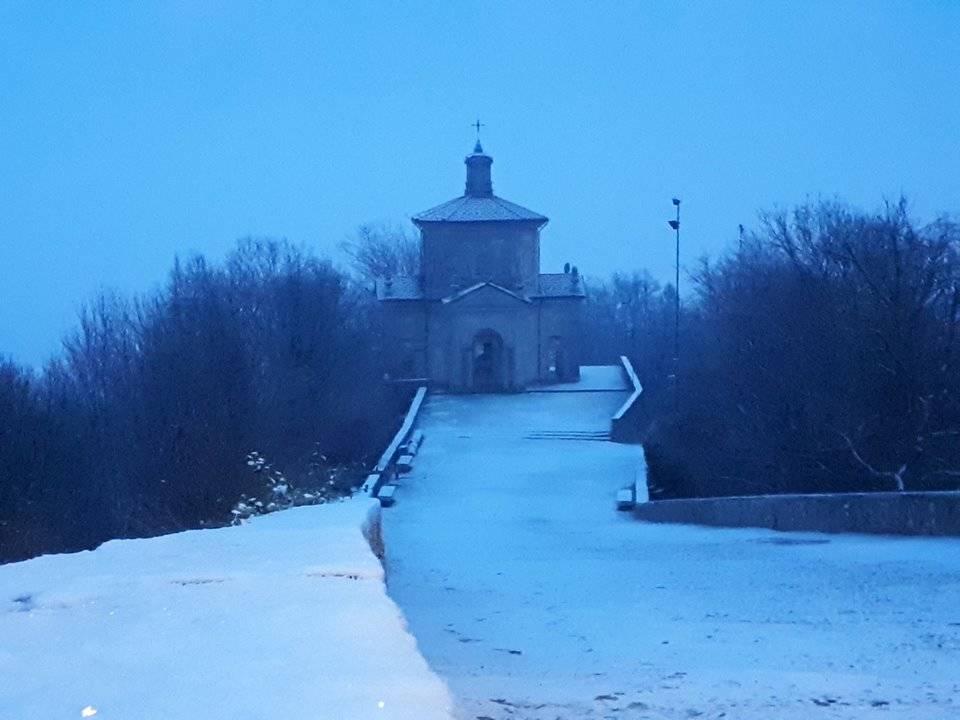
[[600, 435]]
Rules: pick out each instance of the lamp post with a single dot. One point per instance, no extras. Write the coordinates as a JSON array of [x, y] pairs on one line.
[[675, 224]]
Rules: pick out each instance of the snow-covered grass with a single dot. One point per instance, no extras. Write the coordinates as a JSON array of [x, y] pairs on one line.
[[282, 617], [533, 598]]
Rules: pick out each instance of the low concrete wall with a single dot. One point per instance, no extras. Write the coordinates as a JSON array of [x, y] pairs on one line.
[[386, 467], [936, 513], [625, 424]]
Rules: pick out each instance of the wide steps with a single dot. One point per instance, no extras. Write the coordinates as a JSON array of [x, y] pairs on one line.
[[587, 435]]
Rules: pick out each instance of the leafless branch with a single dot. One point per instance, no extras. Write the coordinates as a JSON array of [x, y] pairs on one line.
[[896, 477]]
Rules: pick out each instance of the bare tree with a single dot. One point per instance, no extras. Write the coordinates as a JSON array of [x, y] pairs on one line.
[[823, 358], [380, 251], [147, 422]]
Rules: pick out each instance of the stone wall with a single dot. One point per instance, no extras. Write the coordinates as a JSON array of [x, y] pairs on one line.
[[875, 513], [433, 339], [454, 327], [560, 329], [405, 338], [458, 255]]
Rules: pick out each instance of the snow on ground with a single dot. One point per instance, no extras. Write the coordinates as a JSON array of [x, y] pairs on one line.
[[533, 598], [593, 378], [283, 617]]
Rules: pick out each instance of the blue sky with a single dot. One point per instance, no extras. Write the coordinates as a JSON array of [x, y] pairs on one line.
[[134, 132]]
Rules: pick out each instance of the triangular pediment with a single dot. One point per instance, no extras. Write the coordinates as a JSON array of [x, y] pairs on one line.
[[486, 292]]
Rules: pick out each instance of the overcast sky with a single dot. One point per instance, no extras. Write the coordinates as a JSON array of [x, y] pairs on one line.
[[134, 132]]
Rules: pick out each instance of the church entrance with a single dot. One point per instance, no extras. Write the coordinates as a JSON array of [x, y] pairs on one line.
[[488, 365]]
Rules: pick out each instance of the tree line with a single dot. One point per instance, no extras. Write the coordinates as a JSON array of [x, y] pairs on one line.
[[822, 355], [163, 412]]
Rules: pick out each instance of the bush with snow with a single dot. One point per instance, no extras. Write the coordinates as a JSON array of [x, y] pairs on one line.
[[277, 492]]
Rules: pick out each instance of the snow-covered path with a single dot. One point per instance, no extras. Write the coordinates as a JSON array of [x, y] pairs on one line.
[[533, 598]]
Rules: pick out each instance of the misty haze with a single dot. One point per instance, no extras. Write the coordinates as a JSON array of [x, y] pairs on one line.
[[475, 361]]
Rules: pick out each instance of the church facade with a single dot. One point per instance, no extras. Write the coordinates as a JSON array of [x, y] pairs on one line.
[[481, 317]]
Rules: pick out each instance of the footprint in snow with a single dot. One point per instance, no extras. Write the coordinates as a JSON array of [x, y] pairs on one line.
[[23, 603]]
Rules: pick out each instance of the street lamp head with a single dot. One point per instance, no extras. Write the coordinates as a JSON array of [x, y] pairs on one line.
[[676, 201], [675, 224]]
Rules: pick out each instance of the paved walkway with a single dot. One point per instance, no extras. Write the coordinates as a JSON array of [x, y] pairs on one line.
[[533, 598], [593, 378]]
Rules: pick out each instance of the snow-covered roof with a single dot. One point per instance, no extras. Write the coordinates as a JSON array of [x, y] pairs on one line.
[[471, 208], [561, 285]]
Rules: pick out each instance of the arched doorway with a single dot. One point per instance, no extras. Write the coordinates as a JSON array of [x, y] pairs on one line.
[[488, 362]]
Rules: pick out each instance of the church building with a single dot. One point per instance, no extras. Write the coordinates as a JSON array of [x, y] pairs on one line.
[[481, 317]]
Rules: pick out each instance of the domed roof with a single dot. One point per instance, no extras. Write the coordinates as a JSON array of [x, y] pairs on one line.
[[478, 209], [478, 203]]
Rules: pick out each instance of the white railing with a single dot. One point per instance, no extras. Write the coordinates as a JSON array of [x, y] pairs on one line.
[[385, 466], [622, 427]]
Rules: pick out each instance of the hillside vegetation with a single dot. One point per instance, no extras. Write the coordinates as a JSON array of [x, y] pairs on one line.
[[234, 381], [822, 355]]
